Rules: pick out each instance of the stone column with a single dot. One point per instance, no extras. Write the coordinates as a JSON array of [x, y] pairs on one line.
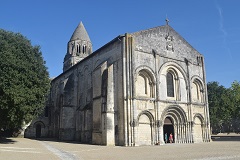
[[187, 132], [190, 132], [161, 133], [181, 132], [204, 138], [108, 130], [177, 135], [204, 133]]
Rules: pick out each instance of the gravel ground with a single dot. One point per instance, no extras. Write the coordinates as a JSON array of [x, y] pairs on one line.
[[220, 148]]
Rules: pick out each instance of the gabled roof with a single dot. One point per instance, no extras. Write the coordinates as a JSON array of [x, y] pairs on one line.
[[164, 29], [80, 33]]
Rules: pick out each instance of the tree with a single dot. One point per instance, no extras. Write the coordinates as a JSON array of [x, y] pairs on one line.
[[24, 81], [224, 107], [216, 104], [235, 88]]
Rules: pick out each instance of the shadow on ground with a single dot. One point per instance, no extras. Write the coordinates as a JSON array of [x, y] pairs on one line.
[[5, 140], [225, 138], [56, 140]]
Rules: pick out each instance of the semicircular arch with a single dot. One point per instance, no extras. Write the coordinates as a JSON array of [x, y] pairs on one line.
[[37, 123], [144, 82], [173, 66], [148, 114], [199, 116], [197, 89], [146, 69], [176, 113], [173, 82], [196, 78]]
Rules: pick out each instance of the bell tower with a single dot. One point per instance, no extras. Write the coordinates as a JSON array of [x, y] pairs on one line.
[[79, 47]]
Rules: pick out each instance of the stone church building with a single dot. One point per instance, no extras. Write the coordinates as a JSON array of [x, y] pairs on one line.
[[130, 92]]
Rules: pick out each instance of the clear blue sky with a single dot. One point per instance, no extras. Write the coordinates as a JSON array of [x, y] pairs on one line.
[[211, 26]]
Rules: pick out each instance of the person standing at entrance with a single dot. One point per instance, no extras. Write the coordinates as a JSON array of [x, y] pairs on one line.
[[166, 138], [171, 138]]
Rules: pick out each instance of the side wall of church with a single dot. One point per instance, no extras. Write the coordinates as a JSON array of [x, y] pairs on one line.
[[81, 110], [99, 106], [63, 106]]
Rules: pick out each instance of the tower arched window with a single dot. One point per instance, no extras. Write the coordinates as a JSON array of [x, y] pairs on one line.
[[170, 84], [84, 48], [77, 49], [89, 50]]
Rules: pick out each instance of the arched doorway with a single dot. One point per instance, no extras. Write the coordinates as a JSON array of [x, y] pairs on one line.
[[38, 130], [144, 130], [175, 120], [168, 129]]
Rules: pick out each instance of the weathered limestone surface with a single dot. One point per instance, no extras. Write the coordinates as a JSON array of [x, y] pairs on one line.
[[130, 92]]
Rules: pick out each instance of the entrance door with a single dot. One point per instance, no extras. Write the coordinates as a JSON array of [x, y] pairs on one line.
[[168, 129], [38, 131]]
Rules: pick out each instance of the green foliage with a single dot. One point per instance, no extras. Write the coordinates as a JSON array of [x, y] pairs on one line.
[[224, 107], [24, 80]]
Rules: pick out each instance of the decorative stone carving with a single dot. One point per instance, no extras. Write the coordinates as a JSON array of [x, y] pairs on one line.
[[138, 48], [159, 123], [133, 123], [169, 43]]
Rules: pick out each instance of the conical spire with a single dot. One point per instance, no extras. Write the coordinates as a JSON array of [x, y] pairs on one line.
[[79, 47], [80, 33]]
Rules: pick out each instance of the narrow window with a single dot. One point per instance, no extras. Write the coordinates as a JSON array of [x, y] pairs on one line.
[[146, 85], [84, 48], [89, 50], [104, 90], [170, 85], [77, 49]]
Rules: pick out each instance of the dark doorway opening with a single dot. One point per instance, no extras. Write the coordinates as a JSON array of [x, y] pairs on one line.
[[38, 130], [168, 129]]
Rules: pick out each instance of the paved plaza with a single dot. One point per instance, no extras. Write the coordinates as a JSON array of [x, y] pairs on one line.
[[22, 149]]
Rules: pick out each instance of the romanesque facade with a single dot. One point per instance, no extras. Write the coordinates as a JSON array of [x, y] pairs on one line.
[[132, 91]]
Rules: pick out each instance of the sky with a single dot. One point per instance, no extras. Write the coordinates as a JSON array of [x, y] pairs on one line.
[[212, 27]]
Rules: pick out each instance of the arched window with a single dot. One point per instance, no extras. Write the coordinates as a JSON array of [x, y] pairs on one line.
[[170, 84], [104, 88], [84, 48], [77, 49], [144, 84], [89, 50], [197, 91]]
